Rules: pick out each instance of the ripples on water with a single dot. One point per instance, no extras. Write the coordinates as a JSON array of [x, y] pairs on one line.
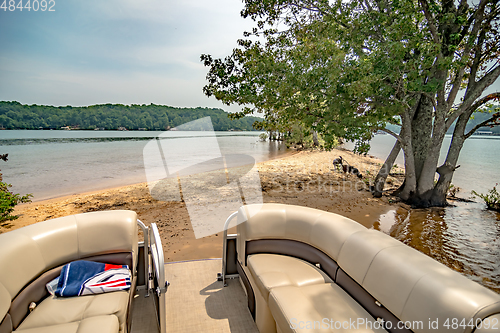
[[51, 164], [465, 238], [41, 141]]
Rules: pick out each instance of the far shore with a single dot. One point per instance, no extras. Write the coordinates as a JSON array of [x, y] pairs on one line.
[[306, 178]]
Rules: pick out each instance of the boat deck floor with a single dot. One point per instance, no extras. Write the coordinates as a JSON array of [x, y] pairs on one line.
[[196, 302]]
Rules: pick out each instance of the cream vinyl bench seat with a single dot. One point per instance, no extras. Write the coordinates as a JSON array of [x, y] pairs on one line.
[[32, 256], [303, 267]]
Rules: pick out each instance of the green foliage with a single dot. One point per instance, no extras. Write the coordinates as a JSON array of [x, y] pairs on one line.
[[263, 137], [453, 190], [349, 68], [9, 200], [14, 115], [491, 199], [301, 135], [328, 68]]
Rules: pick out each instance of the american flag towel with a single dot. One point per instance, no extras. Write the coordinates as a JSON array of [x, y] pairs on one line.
[[87, 277]]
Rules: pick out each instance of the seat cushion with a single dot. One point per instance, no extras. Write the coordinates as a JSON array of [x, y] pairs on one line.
[[319, 307], [101, 324], [62, 310], [270, 271]]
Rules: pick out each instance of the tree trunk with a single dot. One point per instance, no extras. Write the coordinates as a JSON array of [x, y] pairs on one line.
[[384, 171], [315, 139], [410, 187], [427, 176], [422, 151], [421, 130], [447, 170], [409, 190]]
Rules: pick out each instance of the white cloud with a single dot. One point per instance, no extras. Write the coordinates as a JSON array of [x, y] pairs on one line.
[[54, 86]]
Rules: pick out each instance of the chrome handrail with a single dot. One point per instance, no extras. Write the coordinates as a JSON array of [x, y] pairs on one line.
[[224, 247], [159, 264], [158, 254]]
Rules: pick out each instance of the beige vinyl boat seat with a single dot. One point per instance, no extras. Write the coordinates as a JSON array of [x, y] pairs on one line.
[[32, 256], [291, 309], [292, 286], [307, 270], [56, 311], [271, 271]]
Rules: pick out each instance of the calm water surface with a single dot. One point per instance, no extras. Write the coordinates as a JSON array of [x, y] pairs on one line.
[[465, 236], [55, 163]]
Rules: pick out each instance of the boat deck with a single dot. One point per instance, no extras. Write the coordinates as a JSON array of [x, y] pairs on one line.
[[196, 302]]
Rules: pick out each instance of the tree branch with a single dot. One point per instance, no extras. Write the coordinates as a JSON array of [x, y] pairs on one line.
[[488, 79], [471, 96], [388, 131], [430, 20], [478, 22], [484, 100], [493, 120]]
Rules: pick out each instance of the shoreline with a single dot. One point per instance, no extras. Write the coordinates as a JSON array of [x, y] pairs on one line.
[[110, 188], [298, 178]]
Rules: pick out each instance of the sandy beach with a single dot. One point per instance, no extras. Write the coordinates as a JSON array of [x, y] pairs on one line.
[[305, 178]]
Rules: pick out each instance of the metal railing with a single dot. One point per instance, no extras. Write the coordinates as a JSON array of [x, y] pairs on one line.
[[154, 271], [222, 276], [159, 282]]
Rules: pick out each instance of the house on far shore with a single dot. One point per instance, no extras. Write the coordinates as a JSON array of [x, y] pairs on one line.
[[121, 128], [66, 128], [483, 133]]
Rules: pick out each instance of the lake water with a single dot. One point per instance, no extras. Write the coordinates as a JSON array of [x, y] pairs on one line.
[[479, 160], [465, 236], [50, 164]]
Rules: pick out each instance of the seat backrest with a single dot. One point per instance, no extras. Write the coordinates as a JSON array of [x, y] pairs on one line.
[[411, 285], [325, 231], [27, 252]]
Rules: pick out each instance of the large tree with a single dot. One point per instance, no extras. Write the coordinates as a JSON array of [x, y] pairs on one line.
[[348, 68]]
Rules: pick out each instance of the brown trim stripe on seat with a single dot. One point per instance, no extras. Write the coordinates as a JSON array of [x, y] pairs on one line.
[[6, 324], [248, 287], [295, 249], [329, 266], [360, 295]]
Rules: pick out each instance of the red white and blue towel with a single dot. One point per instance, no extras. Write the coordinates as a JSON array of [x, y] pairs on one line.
[[87, 277]]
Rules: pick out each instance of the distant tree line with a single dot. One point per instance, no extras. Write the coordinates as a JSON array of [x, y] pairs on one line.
[[14, 115]]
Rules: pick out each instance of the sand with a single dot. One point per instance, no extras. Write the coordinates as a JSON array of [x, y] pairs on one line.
[[306, 178]]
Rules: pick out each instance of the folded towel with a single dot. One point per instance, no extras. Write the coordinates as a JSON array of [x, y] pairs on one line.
[[87, 277], [52, 286]]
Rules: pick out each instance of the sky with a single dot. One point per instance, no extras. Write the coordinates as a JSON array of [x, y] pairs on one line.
[[116, 51]]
